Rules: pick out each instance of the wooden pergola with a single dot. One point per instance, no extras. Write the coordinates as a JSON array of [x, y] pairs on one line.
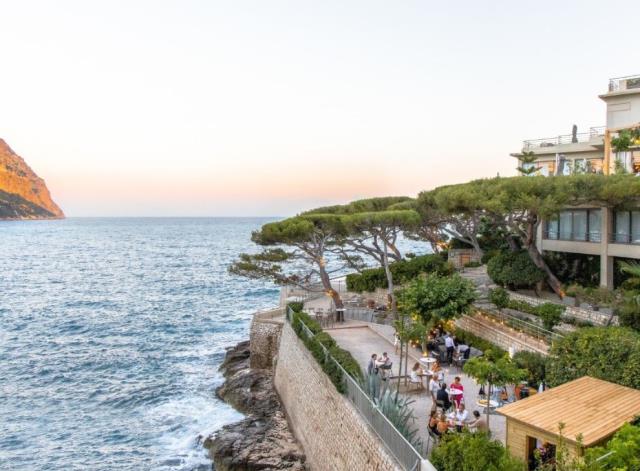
[[589, 408]]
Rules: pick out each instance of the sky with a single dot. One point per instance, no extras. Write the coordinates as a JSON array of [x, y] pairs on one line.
[[268, 108]]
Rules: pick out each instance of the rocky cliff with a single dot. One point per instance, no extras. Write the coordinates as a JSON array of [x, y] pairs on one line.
[[23, 195]]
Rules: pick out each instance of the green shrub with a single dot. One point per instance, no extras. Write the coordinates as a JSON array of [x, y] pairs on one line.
[[295, 306], [347, 361], [629, 311], [499, 297], [311, 323], [488, 255], [514, 270], [550, 314], [534, 363], [403, 271], [473, 452], [608, 353], [326, 340]]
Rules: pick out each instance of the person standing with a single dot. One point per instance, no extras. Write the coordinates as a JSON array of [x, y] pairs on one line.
[[457, 385], [450, 346], [374, 378], [433, 389]]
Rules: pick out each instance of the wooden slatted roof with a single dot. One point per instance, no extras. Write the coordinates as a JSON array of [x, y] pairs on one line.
[[594, 408]]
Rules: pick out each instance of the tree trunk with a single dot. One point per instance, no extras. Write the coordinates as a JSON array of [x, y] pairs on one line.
[[552, 280], [488, 405], [513, 245], [399, 368], [476, 247], [387, 270], [326, 284]]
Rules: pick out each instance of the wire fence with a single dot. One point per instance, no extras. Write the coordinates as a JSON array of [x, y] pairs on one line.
[[409, 458]]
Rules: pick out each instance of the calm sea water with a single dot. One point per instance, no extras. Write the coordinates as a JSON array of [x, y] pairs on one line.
[[111, 333]]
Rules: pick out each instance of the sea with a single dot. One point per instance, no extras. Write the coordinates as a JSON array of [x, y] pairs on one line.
[[111, 335]]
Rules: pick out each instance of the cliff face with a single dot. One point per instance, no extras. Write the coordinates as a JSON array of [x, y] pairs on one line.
[[23, 195]]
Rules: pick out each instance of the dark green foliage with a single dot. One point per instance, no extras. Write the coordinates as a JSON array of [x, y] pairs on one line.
[[437, 297], [550, 314], [534, 363], [319, 344], [499, 297], [574, 267], [295, 306], [608, 353], [473, 452], [402, 272], [629, 311], [485, 346], [622, 451], [514, 270], [489, 254], [472, 264]]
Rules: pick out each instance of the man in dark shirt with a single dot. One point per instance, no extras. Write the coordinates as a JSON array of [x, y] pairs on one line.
[[443, 397]]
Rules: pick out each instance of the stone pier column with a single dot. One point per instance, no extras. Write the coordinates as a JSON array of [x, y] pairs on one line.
[[606, 262]]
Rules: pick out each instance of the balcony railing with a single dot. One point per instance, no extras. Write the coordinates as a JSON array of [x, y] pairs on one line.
[[573, 236], [624, 238], [593, 134], [624, 83]]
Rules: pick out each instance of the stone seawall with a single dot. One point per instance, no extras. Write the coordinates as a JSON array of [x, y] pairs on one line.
[[332, 433], [264, 337]]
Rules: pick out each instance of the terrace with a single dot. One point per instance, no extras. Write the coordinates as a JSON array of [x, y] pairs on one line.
[[595, 137], [619, 84]]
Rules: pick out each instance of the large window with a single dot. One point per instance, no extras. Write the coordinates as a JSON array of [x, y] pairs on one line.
[[575, 224], [627, 227]]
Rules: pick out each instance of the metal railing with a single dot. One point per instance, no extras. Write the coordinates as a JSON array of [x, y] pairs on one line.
[[365, 314], [573, 236], [624, 238], [593, 134], [527, 328], [624, 83], [404, 452]]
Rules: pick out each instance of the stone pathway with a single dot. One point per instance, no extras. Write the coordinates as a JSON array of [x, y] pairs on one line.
[[362, 339]]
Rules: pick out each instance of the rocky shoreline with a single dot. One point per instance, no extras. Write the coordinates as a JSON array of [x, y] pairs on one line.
[[262, 440]]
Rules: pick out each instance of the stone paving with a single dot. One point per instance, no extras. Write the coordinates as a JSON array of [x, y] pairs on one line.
[[363, 339]]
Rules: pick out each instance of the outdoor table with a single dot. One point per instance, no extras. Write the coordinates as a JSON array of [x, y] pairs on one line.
[[340, 314], [455, 392], [484, 404], [427, 361]]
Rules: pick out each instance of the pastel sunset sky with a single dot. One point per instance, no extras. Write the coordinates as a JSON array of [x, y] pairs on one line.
[[270, 107]]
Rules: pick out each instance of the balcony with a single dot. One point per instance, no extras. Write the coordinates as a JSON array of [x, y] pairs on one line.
[[620, 84], [594, 137], [593, 236]]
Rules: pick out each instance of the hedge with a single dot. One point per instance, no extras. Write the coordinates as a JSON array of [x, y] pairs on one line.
[[608, 353], [402, 271], [549, 313], [315, 345], [514, 270]]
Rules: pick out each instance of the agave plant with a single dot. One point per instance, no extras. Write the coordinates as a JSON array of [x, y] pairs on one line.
[[397, 410]]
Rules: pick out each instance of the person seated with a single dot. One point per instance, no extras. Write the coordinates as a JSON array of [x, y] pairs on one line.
[[416, 374], [432, 422], [461, 417], [457, 385], [443, 396], [478, 423], [443, 425]]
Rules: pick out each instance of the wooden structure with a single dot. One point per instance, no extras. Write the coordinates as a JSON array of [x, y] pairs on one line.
[[460, 257], [589, 408]]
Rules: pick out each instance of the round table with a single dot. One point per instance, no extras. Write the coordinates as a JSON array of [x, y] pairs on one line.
[[490, 404], [427, 361], [456, 392]]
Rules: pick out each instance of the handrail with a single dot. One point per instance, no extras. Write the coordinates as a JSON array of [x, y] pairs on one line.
[[399, 447], [594, 132], [525, 327]]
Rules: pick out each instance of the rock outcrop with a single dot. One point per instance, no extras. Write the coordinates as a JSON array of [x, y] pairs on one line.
[[23, 195], [261, 441]]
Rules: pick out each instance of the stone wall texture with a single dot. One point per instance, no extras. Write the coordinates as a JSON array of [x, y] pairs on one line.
[[578, 313], [514, 341], [332, 433], [264, 338]]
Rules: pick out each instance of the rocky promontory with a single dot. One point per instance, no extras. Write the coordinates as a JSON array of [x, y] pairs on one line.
[[262, 440], [23, 194]]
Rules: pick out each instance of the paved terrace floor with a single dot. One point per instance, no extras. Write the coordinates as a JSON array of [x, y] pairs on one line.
[[363, 339]]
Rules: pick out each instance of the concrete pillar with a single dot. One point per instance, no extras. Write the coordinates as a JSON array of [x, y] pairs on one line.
[[606, 262]]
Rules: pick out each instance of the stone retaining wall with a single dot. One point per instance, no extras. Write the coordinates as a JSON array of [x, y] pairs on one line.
[[265, 336], [578, 313], [515, 341], [332, 433]]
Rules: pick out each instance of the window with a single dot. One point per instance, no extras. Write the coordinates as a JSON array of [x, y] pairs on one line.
[[595, 225], [622, 226], [577, 224]]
